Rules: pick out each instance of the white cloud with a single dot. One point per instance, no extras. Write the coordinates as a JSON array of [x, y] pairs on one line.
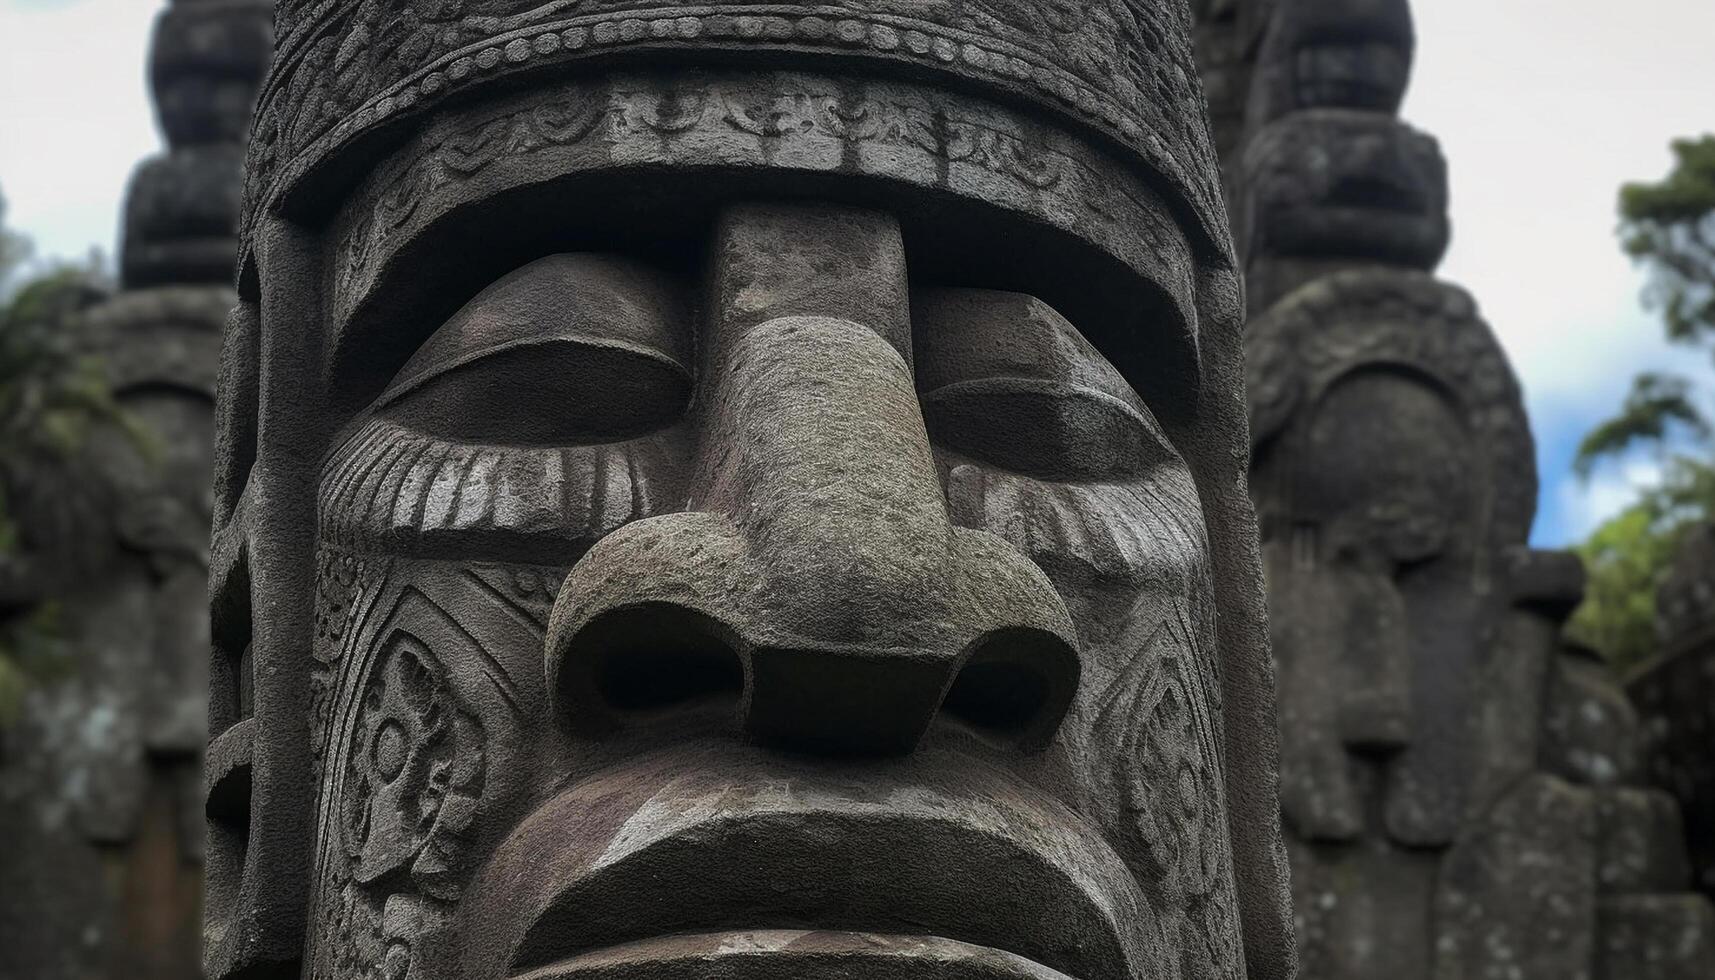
[[1585, 506], [74, 116]]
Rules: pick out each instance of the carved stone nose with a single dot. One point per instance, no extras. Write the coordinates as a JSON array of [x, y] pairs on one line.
[[1375, 693], [818, 564]]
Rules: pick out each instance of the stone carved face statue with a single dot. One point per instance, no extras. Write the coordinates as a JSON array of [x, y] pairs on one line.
[[1386, 502], [1346, 185], [1331, 54], [775, 519], [1387, 533]]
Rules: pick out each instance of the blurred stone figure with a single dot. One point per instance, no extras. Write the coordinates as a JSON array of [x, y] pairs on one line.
[[1454, 780], [102, 777], [1462, 794], [1327, 177], [1329, 54], [736, 491]]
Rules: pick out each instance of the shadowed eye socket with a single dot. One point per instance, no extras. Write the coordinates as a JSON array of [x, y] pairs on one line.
[[1043, 429], [570, 349]]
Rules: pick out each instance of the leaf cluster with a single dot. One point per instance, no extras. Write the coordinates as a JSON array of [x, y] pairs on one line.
[[1667, 227], [1659, 407], [53, 395], [1629, 556]]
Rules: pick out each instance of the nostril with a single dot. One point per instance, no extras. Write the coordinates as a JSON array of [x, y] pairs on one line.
[[648, 677], [651, 657], [1017, 684], [999, 697]]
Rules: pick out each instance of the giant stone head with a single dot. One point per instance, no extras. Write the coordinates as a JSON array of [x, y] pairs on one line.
[[738, 491]]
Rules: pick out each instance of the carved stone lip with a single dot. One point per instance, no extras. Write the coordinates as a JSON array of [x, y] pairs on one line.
[[939, 855], [796, 953]]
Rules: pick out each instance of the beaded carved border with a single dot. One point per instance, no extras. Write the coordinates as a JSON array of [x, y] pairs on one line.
[[338, 76]]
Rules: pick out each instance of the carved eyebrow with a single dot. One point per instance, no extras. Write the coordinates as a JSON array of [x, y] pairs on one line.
[[1164, 546], [389, 487]]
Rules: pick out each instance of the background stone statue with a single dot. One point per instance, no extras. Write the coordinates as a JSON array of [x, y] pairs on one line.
[[102, 777], [738, 491], [1462, 793], [1453, 778]]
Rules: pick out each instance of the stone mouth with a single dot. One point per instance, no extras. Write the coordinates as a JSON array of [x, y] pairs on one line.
[[675, 861], [778, 954]]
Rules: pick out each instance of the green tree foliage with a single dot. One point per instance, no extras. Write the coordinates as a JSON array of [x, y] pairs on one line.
[[1628, 557], [14, 250], [52, 395], [1668, 227], [1658, 407]]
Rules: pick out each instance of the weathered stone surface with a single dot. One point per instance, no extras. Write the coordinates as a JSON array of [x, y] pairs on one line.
[[806, 538], [1592, 729], [1332, 54], [206, 60], [1675, 695], [1518, 893], [1459, 789], [1334, 189], [1685, 606], [181, 215], [1228, 35], [1642, 841], [101, 774], [1656, 937], [1358, 910]]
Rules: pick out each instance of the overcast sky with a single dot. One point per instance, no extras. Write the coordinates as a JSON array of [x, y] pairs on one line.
[[1544, 108]]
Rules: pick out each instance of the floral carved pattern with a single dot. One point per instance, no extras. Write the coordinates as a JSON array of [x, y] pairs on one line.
[[1169, 801], [414, 775]]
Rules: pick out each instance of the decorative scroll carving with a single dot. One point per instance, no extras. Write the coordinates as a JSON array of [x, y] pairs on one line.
[[808, 114]]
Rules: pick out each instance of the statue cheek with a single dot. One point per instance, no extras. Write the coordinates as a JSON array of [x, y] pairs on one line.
[[429, 698], [1157, 780]]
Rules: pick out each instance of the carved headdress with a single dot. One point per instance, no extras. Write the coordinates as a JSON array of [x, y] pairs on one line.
[[350, 72]]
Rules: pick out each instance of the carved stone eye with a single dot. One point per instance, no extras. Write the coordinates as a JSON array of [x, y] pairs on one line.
[[568, 350], [1040, 429], [1005, 378]]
